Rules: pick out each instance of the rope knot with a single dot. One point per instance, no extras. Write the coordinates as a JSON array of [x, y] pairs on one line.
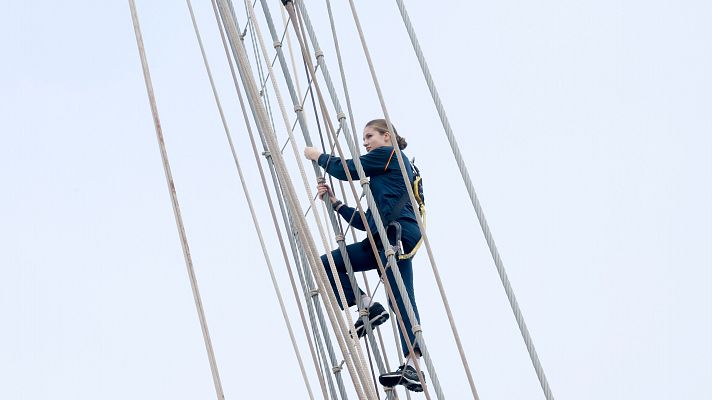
[[389, 252], [337, 368], [340, 238], [320, 180], [298, 108], [417, 329], [318, 54], [340, 116], [267, 154], [363, 312], [277, 44], [363, 181]]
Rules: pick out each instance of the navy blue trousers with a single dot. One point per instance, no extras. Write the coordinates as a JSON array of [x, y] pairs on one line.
[[362, 259]]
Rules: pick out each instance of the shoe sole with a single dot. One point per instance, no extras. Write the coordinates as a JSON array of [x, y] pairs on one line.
[[412, 386], [375, 321], [394, 380], [390, 381]]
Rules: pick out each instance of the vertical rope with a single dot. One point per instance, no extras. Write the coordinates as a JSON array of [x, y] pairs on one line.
[[176, 207]]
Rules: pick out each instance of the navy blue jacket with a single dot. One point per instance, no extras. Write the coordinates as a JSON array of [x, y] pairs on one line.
[[387, 186]]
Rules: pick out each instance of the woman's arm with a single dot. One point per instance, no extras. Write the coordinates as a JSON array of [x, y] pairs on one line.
[[346, 212], [375, 162]]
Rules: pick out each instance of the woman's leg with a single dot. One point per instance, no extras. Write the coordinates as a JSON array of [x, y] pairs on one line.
[[406, 271], [361, 258]]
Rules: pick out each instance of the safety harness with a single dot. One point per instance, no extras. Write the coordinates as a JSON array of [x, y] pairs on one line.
[[398, 208]]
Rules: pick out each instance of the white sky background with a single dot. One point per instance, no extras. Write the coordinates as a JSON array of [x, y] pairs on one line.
[[586, 128]]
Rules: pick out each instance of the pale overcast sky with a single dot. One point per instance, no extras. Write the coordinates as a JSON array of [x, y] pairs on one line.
[[585, 125]]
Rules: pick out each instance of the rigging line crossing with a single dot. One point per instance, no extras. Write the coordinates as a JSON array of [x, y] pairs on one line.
[[342, 123], [176, 207], [287, 75], [232, 70], [370, 200], [264, 82], [264, 95], [379, 225], [257, 226], [345, 127], [247, 24], [275, 179], [303, 231], [424, 350], [291, 53], [413, 202], [340, 236], [286, 121], [342, 71], [475, 203], [399, 283]]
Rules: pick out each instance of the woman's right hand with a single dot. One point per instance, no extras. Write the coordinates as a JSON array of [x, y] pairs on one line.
[[323, 189]]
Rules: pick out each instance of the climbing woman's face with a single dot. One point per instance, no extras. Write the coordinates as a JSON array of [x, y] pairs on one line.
[[373, 139]]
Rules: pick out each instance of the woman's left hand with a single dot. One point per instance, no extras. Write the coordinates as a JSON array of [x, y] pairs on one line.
[[312, 153]]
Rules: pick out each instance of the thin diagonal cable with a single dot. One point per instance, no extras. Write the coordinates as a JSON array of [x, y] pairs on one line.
[[247, 24], [176, 207], [475, 203], [274, 59]]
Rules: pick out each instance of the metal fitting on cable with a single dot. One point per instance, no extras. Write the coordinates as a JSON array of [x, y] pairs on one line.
[[298, 108], [363, 181], [262, 93], [320, 180], [363, 312], [318, 54], [340, 116], [417, 329], [267, 154], [389, 252], [277, 44], [340, 238]]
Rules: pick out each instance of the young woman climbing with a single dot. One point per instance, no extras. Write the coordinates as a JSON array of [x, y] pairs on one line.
[[380, 164]]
